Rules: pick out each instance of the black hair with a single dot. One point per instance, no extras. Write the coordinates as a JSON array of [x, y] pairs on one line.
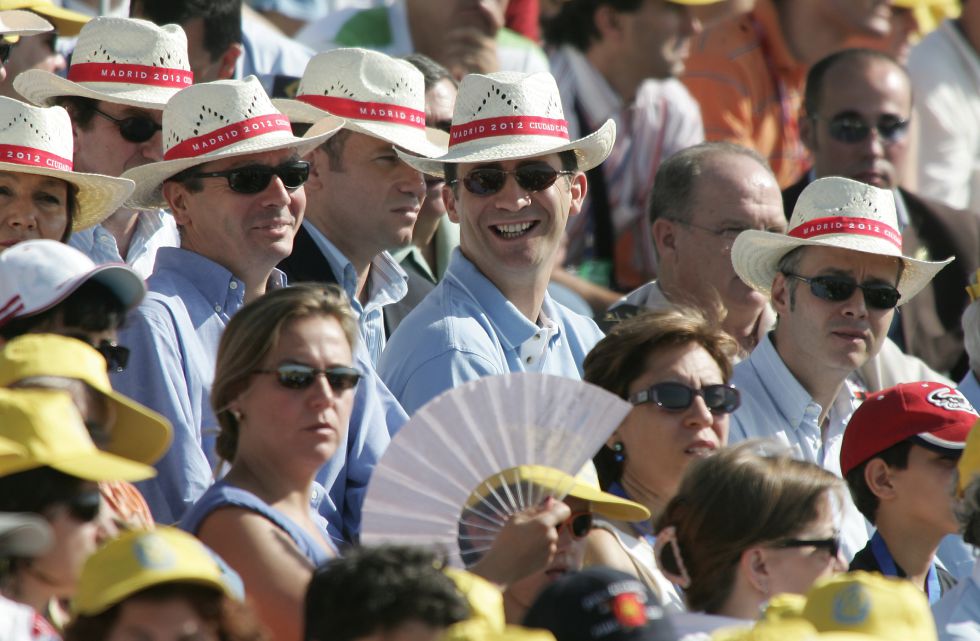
[[432, 71], [81, 109], [813, 93], [92, 307], [37, 489], [222, 19], [574, 24], [379, 588], [896, 456], [568, 159]]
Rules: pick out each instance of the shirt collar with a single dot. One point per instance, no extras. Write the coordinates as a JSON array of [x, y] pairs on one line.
[[790, 398], [213, 281]]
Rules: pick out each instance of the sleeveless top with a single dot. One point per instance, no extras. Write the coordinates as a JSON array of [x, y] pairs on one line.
[[222, 494]]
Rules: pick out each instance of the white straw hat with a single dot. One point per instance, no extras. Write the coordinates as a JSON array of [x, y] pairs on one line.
[[833, 212], [22, 23], [376, 94], [508, 116], [38, 140], [121, 60], [215, 120]]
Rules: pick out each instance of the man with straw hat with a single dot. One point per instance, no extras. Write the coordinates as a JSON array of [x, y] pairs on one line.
[[122, 74], [231, 175], [834, 280], [513, 178]]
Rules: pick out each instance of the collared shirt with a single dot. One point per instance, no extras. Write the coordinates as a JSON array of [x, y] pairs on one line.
[[776, 406], [272, 57], [957, 614], [154, 229], [465, 329], [386, 284], [662, 119], [970, 388], [446, 239]]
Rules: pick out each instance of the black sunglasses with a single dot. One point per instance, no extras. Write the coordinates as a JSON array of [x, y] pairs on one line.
[[579, 524], [485, 181], [295, 376], [720, 399], [134, 128], [851, 128], [116, 356], [84, 507], [5, 48], [832, 545], [841, 288], [255, 178]]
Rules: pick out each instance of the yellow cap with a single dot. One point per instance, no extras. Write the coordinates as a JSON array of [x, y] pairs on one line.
[[784, 606], [480, 630], [871, 604], [785, 630], [46, 424], [138, 560], [139, 433], [969, 463], [484, 598], [65, 21]]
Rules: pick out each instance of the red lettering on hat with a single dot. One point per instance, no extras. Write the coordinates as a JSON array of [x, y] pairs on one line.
[[33, 157], [360, 110], [213, 140], [508, 126], [628, 610], [133, 74], [847, 225], [11, 309]]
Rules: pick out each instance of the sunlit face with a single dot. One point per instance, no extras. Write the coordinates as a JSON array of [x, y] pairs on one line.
[[74, 541], [658, 443], [173, 619], [34, 52], [924, 490], [32, 206], [101, 149], [439, 101], [858, 16]]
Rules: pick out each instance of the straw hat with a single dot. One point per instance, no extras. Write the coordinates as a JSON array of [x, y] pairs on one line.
[[66, 22], [376, 94], [509, 116], [38, 140], [121, 60], [833, 212], [216, 120], [22, 23]]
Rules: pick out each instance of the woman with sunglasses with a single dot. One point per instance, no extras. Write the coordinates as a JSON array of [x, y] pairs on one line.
[[674, 366], [283, 392], [746, 524], [54, 474]]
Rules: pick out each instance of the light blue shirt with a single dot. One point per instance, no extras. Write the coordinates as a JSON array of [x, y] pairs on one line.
[[465, 329], [387, 283], [267, 54], [970, 388], [957, 614], [154, 229]]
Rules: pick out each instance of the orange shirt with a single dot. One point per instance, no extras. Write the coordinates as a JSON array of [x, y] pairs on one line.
[[750, 89]]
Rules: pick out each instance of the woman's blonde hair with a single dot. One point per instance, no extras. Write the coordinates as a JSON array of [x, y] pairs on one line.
[[253, 332]]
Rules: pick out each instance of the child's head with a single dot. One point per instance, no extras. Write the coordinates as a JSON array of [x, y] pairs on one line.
[[900, 451]]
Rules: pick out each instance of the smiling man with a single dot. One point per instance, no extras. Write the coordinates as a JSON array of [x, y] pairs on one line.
[[513, 178]]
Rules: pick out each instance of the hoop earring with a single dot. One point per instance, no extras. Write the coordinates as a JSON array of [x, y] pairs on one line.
[[619, 452]]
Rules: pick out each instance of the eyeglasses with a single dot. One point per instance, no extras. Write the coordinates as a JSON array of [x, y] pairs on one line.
[[832, 545], [720, 399], [579, 524], [851, 128], [5, 49], [134, 128], [116, 356], [486, 181], [255, 178], [295, 376], [841, 288], [84, 507]]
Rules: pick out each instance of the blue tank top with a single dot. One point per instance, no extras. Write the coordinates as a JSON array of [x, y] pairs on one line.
[[222, 494]]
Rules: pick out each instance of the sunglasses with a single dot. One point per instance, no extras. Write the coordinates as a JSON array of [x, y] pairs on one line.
[[84, 507], [840, 288], [5, 49], [133, 128], [295, 376], [832, 545], [116, 356], [851, 128], [255, 178], [720, 399], [486, 181], [579, 524]]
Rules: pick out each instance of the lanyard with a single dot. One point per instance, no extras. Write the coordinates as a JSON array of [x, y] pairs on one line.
[[887, 565], [643, 529]]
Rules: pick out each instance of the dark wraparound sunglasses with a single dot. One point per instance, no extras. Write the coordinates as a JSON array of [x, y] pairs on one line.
[[5, 49], [116, 356], [852, 128], [840, 288], [720, 399], [832, 545], [133, 128], [579, 524], [255, 178], [485, 181], [298, 377], [84, 507]]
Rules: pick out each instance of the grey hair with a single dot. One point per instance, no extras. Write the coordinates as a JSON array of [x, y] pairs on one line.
[[971, 329]]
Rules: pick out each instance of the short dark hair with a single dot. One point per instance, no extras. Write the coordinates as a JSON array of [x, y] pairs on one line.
[[896, 456], [432, 71], [574, 24], [92, 307], [81, 110], [334, 148], [568, 160], [222, 19], [813, 93], [380, 588]]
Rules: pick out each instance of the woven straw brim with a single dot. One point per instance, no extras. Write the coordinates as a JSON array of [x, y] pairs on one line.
[[150, 178], [756, 255], [590, 150], [404, 136], [42, 87], [98, 196], [17, 22]]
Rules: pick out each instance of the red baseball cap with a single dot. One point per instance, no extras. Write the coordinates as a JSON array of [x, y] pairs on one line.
[[935, 414]]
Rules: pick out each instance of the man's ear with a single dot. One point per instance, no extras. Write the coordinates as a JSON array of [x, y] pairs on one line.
[[780, 295], [318, 168], [606, 22], [449, 200], [228, 61], [176, 195], [577, 188], [664, 233], [878, 478]]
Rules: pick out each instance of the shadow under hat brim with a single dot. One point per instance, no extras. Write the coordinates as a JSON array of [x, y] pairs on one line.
[[149, 178], [590, 150], [42, 87], [93, 465], [399, 135], [756, 255]]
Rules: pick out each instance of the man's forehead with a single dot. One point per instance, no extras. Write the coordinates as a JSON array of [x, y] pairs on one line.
[[269, 158], [551, 159], [846, 261]]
